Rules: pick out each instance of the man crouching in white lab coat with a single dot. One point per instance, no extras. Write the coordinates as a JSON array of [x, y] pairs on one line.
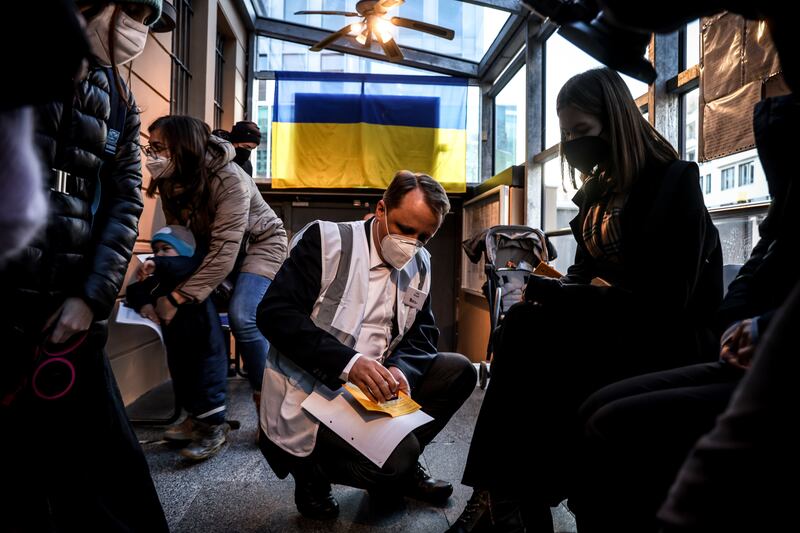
[[352, 303]]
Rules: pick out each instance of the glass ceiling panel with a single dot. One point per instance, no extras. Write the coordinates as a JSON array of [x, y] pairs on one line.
[[274, 54], [475, 27]]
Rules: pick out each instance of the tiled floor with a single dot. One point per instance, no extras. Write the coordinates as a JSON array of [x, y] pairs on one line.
[[237, 492]]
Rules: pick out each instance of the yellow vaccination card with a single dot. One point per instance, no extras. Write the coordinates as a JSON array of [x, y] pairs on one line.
[[402, 405]]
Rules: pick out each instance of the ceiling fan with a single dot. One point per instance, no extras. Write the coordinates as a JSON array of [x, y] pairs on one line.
[[376, 24]]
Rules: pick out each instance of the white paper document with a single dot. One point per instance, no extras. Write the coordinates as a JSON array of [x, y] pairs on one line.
[[126, 315], [375, 435]]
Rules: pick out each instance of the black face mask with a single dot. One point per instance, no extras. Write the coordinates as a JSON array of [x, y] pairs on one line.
[[584, 153], [242, 155]]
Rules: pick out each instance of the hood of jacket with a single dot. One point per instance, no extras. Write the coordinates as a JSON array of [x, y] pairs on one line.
[[218, 153]]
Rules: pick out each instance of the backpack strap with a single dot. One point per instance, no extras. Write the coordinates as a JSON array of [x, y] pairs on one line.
[[114, 128], [119, 113]]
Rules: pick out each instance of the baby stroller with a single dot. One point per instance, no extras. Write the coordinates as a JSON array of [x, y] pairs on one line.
[[511, 253]]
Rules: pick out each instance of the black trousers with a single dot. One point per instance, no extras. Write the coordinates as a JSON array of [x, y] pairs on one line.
[[638, 432], [546, 363], [742, 475], [74, 464], [198, 361], [446, 385]]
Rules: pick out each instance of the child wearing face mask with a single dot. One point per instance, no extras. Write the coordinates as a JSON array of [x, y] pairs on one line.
[[75, 462], [198, 362]]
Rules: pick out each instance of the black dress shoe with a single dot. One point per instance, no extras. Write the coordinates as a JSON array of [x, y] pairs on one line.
[[313, 498], [423, 487], [475, 517]]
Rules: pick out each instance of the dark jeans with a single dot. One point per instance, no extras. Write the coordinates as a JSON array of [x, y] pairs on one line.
[[74, 464], [638, 432], [742, 475], [449, 381]]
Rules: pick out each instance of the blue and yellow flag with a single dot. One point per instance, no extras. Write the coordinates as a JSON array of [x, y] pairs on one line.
[[333, 130]]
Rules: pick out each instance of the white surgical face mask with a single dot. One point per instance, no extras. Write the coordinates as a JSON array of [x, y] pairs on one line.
[[396, 249], [130, 36], [158, 167]]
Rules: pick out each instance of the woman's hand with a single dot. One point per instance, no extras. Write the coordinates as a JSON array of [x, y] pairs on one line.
[[72, 317], [542, 289], [149, 312], [737, 347], [146, 269], [165, 310]]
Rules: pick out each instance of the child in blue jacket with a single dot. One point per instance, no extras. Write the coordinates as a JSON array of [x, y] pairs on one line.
[[196, 355]]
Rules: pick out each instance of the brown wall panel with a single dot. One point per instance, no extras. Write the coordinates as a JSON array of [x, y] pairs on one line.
[[473, 326]]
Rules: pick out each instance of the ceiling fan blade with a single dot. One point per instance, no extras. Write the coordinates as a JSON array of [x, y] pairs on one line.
[[439, 31], [386, 4], [330, 38], [391, 50], [342, 13]]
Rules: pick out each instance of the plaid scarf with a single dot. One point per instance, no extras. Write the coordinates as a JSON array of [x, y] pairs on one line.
[[602, 231]]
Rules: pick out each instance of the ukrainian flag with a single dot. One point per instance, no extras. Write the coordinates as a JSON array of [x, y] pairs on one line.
[[333, 130]]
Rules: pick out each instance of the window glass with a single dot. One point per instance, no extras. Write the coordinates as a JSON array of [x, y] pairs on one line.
[[509, 123], [738, 178], [562, 61], [558, 192], [726, 178], [691, 45]]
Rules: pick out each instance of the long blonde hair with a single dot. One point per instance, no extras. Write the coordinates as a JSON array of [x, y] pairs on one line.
[[601, 92]]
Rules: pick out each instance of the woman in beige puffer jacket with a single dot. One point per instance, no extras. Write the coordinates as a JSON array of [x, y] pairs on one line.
[[202, 188]]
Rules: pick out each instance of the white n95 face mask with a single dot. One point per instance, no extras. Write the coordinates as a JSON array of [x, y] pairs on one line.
[[130, 37], [398, 250], [158, 167]]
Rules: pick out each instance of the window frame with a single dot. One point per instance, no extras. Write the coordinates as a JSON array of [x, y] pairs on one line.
[[180, 75], [750, 164], [219, 79], [723, 178]]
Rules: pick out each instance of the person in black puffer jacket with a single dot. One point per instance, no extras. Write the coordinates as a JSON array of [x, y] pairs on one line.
[[73, 461]]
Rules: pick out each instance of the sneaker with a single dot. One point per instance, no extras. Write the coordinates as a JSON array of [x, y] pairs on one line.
[[208, 441], [181, 432]]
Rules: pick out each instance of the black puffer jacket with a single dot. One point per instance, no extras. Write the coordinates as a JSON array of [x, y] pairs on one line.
[[76, 255]]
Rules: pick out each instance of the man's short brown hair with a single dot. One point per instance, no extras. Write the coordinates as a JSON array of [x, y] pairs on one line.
[[406, 181]]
